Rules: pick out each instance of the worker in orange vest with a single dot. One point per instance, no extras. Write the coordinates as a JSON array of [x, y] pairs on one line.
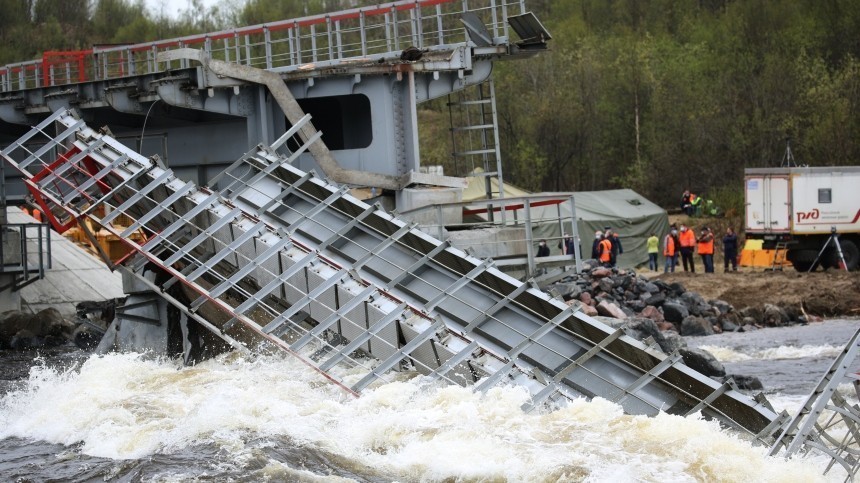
[[688, 244], [604, 252], [37, 215], [706, 249], [669, 251]]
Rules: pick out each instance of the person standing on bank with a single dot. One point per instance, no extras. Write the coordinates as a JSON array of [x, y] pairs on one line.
[[653, 244], [670, 251], [595, 247], [604, 252], [706, 249], [543, 250], [566, 244], [688, 243], [617, 249], [730, 250]]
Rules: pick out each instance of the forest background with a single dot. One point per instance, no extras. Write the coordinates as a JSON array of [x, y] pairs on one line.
[[654, 95]]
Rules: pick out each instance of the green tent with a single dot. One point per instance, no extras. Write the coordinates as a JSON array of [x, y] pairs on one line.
[[628, 213]]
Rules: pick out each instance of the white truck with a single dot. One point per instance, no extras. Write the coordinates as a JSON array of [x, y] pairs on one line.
[[801, 208]]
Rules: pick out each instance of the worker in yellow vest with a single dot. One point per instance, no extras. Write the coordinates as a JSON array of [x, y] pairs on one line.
[[653, 244]]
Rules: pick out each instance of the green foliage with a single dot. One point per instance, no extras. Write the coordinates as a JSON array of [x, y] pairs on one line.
[[656, 95], [662, 95], [728, 199]]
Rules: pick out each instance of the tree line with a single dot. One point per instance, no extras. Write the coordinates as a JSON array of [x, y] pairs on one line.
[[654, 95]]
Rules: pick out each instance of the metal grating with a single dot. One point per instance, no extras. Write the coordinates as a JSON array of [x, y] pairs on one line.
[[279, 268]]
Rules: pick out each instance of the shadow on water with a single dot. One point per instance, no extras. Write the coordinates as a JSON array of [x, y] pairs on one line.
[[278, 460]]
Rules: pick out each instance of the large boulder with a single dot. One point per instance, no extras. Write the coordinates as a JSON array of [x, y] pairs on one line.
[[601, 272], [672, 341], [730, 322], [588, 310], [703, 361], [774, 316], [675, 312], [651, 312], [753, 312], [612, 322], [25, 331], [656, 299], [747, 383], [721, 305], [585, 298], [645, 328], [609, 309], [622, 281], [675, 289], [695, 326], [692, 298], [636, 305], [567, 291], [605, 285]]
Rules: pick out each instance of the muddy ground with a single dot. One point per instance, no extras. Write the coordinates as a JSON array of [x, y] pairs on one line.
[[831, 293], [825, 293]]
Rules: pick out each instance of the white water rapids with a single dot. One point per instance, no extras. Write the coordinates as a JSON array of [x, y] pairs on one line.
[[130, 407]]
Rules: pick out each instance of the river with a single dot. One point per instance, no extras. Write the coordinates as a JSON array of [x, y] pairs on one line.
[[68, 416]]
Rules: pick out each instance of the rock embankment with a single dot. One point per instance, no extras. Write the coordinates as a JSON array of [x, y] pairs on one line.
[[665, 312]]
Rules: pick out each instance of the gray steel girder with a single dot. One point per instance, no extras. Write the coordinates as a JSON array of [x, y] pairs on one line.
[[448, 304]]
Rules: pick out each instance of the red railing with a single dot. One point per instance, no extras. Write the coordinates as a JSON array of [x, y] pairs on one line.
[[321, 40], [64, 65]]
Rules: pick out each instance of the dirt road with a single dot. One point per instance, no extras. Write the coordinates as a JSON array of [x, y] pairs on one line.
[[830, 293]]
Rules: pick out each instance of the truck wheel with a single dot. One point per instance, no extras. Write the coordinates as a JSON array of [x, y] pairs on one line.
[[849, 251], [802, 260]]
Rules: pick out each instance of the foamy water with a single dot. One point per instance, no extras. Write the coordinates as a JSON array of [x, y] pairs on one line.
[[728, 354], [126, 406]]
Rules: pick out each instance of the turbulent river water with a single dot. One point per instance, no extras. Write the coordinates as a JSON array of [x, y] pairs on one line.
[[69, 416]]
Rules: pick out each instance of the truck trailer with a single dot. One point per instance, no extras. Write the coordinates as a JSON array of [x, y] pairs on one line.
[[804, 210]]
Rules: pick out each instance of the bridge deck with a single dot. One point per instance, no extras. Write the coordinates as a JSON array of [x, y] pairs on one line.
[[284, 257]]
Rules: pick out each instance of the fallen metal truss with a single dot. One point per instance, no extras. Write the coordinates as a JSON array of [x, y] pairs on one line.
[[826, 422], [270, 254]]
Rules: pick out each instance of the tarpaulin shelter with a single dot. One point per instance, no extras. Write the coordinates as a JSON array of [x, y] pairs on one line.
[[629, 214]]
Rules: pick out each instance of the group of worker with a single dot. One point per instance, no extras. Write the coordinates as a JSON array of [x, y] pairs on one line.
[[682, 243], [605, 249], [690, 203]]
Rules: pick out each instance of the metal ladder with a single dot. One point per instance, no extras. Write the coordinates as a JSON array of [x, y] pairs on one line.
[[475, 134], [825, 421], [781, 247]]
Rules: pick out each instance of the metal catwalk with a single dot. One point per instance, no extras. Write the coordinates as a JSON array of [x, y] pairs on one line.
[[279, 257]]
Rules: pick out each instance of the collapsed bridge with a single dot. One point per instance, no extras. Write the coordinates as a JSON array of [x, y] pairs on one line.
[[282, 257], [266, 255]]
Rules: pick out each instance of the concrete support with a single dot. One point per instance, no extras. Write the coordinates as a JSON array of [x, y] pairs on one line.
[[292, 111], [9, 299]]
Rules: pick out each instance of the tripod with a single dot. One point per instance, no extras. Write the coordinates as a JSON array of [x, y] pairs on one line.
[[834, 237], [788, 157]]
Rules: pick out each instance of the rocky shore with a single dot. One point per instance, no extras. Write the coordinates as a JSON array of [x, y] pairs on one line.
[[667, 312]]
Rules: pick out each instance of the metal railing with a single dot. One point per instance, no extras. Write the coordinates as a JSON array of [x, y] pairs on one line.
[[554, 213], [309, 42], [25, 252]]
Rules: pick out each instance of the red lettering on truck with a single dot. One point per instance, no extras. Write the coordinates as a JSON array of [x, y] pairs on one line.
[[807, 215]]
